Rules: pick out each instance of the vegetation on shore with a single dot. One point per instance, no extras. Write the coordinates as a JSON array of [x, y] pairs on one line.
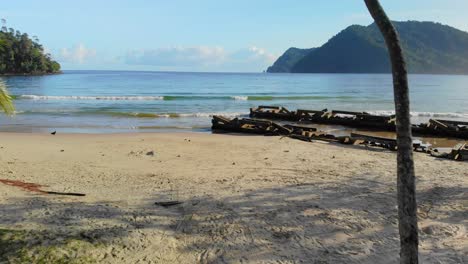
[[18, 246], [286, 61], [428, 47], [6, 103], [21, 55]]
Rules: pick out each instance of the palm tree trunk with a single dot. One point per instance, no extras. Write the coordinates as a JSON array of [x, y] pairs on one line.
[[407, 218]]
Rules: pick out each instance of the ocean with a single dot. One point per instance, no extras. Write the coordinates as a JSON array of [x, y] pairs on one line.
[[129, 101]]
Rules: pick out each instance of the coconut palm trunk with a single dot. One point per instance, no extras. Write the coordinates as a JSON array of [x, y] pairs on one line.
[[407, 218]]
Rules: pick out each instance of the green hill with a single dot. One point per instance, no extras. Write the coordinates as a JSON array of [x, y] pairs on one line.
[[429, 48], [288, 59], [19, 54]]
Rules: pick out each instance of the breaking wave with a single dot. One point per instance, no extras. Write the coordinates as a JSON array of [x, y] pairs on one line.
[[210, 114], [179, 97], [127, 114], [424, 114], [73, 97]]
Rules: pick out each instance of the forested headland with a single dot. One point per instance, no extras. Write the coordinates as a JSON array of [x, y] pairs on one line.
[[429, 48], [22, 55]]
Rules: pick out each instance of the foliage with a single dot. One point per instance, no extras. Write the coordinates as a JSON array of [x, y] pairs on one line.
[[17, 246], [288, 59], [428, 48], [5, 100], [19, 54]]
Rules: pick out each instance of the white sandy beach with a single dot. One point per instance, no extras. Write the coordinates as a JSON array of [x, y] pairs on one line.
[[245, 199]]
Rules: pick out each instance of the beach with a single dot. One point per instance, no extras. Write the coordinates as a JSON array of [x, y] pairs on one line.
[[243, 199]]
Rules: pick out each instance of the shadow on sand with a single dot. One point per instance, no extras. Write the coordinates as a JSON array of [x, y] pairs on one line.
[[351, 222]]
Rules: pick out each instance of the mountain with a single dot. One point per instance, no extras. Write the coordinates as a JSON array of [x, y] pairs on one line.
[[288, 59], [428, 47], [19, 54]]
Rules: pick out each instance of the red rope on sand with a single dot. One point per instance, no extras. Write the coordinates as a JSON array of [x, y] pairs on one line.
[[33, 187], [27, 186]]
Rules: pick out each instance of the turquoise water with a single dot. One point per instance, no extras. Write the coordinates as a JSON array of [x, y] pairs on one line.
[[113, 101]]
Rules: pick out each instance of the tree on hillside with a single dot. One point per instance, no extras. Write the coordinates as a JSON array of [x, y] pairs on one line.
[[19, 54], [407, 218]]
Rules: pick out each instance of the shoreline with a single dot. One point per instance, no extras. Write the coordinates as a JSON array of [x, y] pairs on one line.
[[435, 142], [243, 198]]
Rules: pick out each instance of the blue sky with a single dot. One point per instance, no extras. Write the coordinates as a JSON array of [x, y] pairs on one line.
[[199, 35]]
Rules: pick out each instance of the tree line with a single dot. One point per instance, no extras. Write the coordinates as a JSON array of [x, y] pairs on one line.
[[19, 54]]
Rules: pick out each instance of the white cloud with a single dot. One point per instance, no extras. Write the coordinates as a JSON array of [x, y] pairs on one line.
[[253, 54], [202, 58], [176, 56], [78, 54]]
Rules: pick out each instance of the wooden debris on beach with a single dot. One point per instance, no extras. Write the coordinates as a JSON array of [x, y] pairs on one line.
[[273, 112], [309, 134], [168, 203], [459, 153], [388, 143], [435, 127], [246, 125], [445, 128], [334, 117], [300, 129], [256, 126]]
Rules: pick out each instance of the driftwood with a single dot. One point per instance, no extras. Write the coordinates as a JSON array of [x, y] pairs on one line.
[[66, 193], [249, 126], [388, 143], [299, 129], [168, 203], [273, 112], [434, 127], [309, 134], [456, 123], [459, 153]]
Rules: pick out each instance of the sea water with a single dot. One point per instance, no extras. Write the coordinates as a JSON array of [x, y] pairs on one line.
[[128, 101]]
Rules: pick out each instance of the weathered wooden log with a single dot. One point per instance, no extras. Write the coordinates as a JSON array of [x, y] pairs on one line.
[[168, 203], [388, 143], [374, 118], [65, 193], [272, 112], [221, 119], [299, 129], [436, 127], [436, 124], [458, 153], [282, 130], [453, 122], [265, 127], [269, 107], [249, 126]]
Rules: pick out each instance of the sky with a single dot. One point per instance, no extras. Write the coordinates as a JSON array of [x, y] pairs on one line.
[[199, 35]]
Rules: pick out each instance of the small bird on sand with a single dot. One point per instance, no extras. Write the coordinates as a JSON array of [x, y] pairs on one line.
[[53, 133]]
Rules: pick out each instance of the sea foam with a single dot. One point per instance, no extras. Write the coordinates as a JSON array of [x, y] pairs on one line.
[[75, 97]]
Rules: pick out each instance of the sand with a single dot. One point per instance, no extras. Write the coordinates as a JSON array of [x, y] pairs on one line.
[[246, 199]]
